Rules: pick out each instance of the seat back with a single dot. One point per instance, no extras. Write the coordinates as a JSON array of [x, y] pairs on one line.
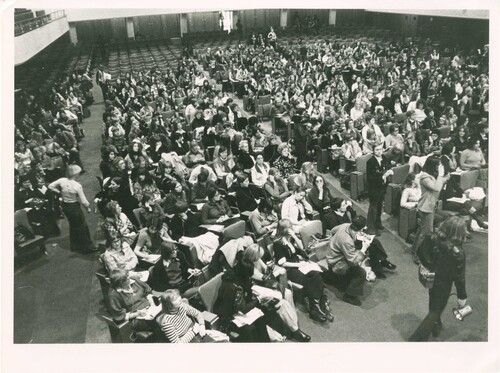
[[234, 231], [264, 100], [104, 283], [120, 333], [468, 179], [400, 174], [209, 291], [307, 231], [21, 218], [137, 214], [361, 163]]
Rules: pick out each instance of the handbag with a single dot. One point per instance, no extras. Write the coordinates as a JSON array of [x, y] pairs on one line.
[[425, 277]]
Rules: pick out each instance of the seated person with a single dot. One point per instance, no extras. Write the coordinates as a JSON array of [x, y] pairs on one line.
[[195, 156], [180, 322], [129, 300], [342, 212], [216, 210], [306, 176], [244, 161], [117, 224], [148, 209], [250, 267], [234, 296], [319, 196], [345, 260], [394, 137], [472, 158], [411, 193], [223, 163], [119, 255], [289, 253], [246, 200], [276, 188], [285, 163], [260, 171], [395, 155], [151, 238], [178, 144], [295, 208], [200, 189], [263, 220], [172, 272], [351, 148]]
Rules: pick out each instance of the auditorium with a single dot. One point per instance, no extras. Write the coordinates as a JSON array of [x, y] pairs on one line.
[[291, 175]]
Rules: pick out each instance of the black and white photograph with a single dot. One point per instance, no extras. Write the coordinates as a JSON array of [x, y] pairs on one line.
[[313, 177]]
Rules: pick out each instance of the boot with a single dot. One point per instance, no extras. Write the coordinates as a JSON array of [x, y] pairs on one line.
[[324, 304], [315, 312], [436, 328]]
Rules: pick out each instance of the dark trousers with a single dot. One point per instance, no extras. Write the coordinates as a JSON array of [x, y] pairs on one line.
[[312, 282], [373, 219], [79, 234], [438, 299], [352, 281], [256, 332], [377, 255]]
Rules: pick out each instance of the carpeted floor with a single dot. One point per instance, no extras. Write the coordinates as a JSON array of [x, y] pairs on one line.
[[58, 298]]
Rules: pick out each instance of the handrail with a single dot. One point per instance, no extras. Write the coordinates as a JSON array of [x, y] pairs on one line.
[[22, 27]]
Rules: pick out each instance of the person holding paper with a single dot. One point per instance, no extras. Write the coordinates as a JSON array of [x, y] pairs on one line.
[[377, 172], [235, 298], [289, 253], [129, 300], [250, 264], [216, 210], [173, 272], [344, 260], [180, 322], [150, 239]]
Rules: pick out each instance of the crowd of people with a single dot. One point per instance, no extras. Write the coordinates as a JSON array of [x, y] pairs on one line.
[[178, 154]]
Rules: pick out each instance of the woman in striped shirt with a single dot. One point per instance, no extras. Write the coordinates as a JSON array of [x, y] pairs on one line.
[[180, 322]]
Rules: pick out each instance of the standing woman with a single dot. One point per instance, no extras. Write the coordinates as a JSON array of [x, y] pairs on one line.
[[431, 182], [72, 195], [443, 254]]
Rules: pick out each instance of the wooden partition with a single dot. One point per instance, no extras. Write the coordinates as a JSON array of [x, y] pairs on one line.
[[203, 22], [321, 14], [157, 26], [259, 19]]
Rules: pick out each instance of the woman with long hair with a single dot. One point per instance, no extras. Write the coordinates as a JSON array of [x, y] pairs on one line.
[[250, 264], [289, 253], [443, 254], [431, 180], [117, 224]]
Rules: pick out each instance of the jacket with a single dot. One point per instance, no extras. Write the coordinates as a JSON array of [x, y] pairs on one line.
[[374, 173], [430, 187]]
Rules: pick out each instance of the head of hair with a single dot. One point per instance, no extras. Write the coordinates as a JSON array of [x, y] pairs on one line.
[[282, 146], [336, 202], [447, 148], [241, 177], [299, 189], [358, 223], [251, 255], [170, 299], [430, 166], [211, 192], [156, 222], [454, 230], [410, 178], [203, 176], [110, 209], [118, 277], [282, 229], [471, 142], [117, 180]]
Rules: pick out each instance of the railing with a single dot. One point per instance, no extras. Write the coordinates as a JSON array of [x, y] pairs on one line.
[[28, 25]]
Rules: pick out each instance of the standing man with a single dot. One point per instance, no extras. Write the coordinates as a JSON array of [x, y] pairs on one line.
[[377, 172]]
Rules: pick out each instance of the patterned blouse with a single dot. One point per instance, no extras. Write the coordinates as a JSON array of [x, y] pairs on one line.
[[286, 166]]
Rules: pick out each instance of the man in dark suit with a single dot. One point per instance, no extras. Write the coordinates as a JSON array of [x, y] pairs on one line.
[[377, 172]]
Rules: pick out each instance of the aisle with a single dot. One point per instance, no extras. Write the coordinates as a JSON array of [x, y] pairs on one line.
[[53, 295]]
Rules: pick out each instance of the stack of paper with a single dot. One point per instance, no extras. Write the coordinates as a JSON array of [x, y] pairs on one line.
[[310, 266], [248, 318], [266, 293], [151, 312]]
